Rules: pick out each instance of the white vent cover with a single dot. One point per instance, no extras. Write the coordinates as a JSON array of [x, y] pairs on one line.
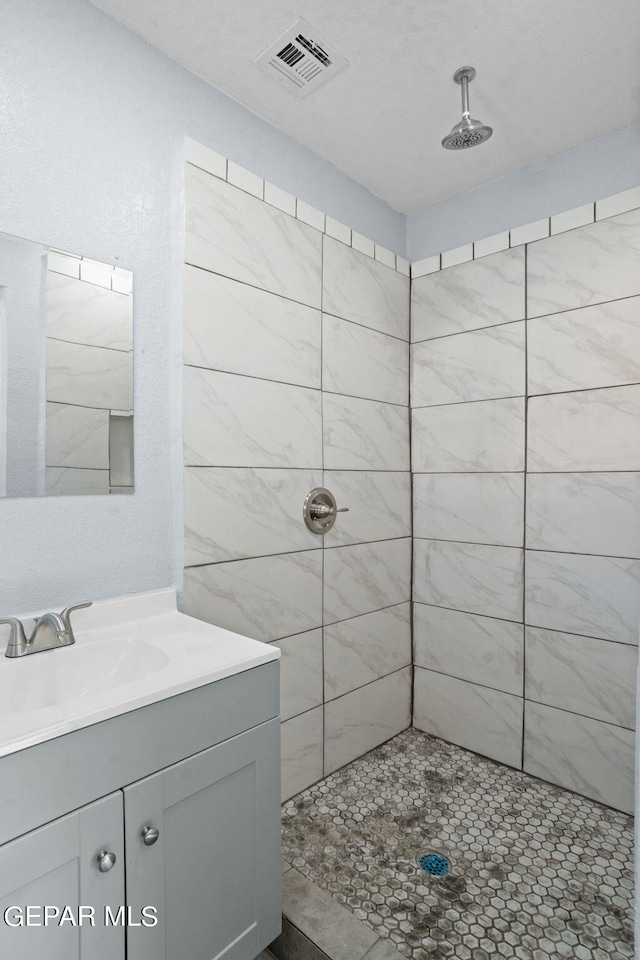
[[301, 58]]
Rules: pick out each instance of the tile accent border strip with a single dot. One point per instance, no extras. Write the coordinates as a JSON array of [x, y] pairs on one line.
[[538, 230], [217, 165], [214, 163]]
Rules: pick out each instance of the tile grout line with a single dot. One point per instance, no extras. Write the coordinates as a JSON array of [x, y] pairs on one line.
[[524, 505]]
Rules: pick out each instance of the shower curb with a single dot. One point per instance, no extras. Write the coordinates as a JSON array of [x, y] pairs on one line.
[[317, 927]]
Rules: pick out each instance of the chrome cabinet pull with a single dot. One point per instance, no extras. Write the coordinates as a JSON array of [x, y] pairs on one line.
[[149, 835], [106, 861]]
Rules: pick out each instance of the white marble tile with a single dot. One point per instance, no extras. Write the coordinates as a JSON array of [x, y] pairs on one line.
[[366, 577], [589, 265], [340, 231], [486, 436], [595, 678], [235, 327], [592, 758], [62, 481], [473, 507], [265, 598], [245, 179], [238, 421], [89, 376], [451, 258], [310, 215], [361, 362], [302, 751], [240, 236], [300, 673], [280, 198], [589, 430], [85, 313], [233, 514], [464, 576], [61, 263], [205, 158], [489, 722], [364, 718], [379, 505], [479, 365], [366, 648], [482, 293], [529, 232], [570, 219], [492, 244], [403, 266], [480, 649], [584, 513], [595, 346], [97, 272], [77, 437], [618, 203], [359, 288], [364, 434], [362, 244], [122, 281], [385, 256], [591, 596], [421, 268]]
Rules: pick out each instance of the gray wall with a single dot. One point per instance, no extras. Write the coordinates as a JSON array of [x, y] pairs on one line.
[[91, 149], [587, 172], [296, 351], [526, 440]]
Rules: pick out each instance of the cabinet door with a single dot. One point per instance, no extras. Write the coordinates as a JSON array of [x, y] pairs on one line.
[[213, 874], [57, 866]]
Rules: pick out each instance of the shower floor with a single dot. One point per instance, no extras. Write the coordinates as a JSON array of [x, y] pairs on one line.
[[536, 871]]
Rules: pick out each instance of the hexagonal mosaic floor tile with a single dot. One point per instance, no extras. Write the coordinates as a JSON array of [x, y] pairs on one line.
[[535, 872]]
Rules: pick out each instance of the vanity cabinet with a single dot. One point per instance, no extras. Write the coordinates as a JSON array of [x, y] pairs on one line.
[[193, 823], [57, 865]]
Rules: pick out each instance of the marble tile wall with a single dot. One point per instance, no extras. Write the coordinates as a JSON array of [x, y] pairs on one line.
[[296, 353], [525, 395], [89, 376]]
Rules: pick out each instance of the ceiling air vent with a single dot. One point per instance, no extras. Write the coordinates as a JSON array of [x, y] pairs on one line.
[[300, 57]]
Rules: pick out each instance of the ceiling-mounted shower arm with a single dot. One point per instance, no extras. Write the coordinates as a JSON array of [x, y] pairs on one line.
[[464, 76]]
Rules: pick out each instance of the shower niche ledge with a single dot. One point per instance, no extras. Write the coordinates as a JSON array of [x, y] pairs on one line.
[[152, 800]]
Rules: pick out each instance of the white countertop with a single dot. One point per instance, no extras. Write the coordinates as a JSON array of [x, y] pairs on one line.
[[128, 653]]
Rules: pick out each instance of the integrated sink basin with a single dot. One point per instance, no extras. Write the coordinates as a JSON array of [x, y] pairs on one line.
[[127, 653]]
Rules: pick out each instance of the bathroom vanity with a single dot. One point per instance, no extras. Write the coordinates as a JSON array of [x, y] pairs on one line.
[[148, 795]]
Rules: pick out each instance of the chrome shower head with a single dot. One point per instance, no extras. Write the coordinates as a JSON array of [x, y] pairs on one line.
[[469, 132]]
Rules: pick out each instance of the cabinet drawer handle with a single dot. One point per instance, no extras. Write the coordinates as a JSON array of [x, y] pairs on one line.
[[106, 861], [149, 835]]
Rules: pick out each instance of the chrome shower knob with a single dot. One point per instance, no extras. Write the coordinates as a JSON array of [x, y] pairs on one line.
[[320, 510]]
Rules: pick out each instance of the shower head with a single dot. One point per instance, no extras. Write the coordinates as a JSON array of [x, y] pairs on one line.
[[469, 132]]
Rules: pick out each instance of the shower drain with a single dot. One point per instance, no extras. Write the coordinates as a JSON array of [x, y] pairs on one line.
[[434, 864]]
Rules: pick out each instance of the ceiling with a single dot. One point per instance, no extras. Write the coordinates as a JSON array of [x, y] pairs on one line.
[[550, 74]]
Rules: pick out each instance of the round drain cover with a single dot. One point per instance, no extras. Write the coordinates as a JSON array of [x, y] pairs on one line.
[[434, 864]]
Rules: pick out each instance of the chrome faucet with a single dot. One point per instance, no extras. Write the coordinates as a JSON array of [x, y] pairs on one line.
[[59, 634]]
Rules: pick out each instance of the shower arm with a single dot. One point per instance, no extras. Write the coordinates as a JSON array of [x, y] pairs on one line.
[[464, 84]]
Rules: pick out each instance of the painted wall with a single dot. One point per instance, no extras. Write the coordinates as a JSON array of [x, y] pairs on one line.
[[526, 459], [91, 145], [588, 172], [296, 376]]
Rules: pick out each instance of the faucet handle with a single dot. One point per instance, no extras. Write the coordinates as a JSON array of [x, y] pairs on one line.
[[66, 615], [17, 640]]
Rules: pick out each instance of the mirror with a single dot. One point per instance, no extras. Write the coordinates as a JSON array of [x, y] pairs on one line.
[[66, 373]]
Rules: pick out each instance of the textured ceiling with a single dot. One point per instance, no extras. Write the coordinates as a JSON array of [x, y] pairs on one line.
[[550, 74]]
